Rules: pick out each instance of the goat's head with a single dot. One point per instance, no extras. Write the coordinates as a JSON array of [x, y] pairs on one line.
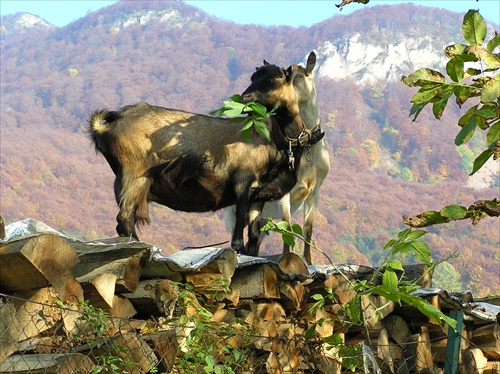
[[270, 85], [303, 80]]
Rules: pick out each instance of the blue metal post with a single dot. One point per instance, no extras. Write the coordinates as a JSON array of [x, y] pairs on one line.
[[453, 346]]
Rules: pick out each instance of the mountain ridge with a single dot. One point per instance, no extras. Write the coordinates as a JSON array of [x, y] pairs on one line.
[[383, 165]]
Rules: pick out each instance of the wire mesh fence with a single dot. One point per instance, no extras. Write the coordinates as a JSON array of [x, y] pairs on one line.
[[59, 337]]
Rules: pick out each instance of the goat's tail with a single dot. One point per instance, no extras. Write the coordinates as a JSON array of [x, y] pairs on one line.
[[97, 122]]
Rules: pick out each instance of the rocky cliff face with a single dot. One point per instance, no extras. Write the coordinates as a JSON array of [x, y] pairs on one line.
[[367, 63], [22, 22]]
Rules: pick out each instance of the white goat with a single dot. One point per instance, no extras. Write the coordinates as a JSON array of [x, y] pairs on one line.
[[314, 165]]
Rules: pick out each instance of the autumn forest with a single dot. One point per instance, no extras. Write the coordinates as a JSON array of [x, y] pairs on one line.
[[383, 165]]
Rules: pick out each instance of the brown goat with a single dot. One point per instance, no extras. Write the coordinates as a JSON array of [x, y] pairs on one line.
[[196, 163], [314, 166]]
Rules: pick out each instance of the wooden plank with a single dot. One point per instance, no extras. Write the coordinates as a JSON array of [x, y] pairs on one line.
[[100, 291], [8, 331], [35, 262], [127, 271], [70, 363], [487, 338], [292, 294], [34, 313], [473, 361], [165, 345], [256, 282]]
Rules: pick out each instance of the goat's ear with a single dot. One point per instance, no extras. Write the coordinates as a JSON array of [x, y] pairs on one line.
[[311, 63], [289, 74], [266, 63]]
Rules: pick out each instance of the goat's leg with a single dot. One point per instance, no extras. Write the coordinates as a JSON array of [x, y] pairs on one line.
[[241, 220], [126, 225], [254, 226], [310, 209], [133, 198]]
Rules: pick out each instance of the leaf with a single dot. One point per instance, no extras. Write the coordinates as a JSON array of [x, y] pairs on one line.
[[423, 74], [474, 28], [471, 72], [439, 106], [310, 332], [453, 212], [491, 90], [390, 243], [288, 239], [493, 43], [455, 69], [262, 130], [416, 109], [493, 134], [491, 60], [422, 252], [283, 225], [481, 160], [395, 264], [334, 339], [297, 229], [466, 133], [402, 248], [236, 98], [415, 234], [454, 50]]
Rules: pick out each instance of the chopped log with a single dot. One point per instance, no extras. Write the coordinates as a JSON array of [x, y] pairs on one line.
[[95, 254], [135, 352], [256, 282], [100, 291], [473, 361], [290, 263], [267, 337], [155, 297], [35, 262], [224, 315], [69, 363], [397, 329], [492, 367], [487, 338], [34, 312], [8, 330], [341, 288], [262, 312], [160, 269], [418, 356], [127, 271], [292, 295], [165, 345], [208, 283], [385, 352], [375, 308], [123, 309], [230, 298]]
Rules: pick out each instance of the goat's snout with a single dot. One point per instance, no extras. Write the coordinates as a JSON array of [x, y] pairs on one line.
[[246, 97]]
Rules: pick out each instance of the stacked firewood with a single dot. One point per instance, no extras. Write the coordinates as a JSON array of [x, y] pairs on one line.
[[49, 283]]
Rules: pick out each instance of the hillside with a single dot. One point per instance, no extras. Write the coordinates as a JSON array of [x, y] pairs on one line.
[[174, 55]]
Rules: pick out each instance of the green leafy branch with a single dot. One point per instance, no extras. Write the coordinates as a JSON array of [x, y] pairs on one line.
[[256, 114], [486, 87], [477, 211]]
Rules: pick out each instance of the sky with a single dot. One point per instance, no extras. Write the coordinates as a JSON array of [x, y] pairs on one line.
[[264, 12]]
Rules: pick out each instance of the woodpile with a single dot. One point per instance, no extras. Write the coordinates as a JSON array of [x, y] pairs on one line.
[[49, 285]]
